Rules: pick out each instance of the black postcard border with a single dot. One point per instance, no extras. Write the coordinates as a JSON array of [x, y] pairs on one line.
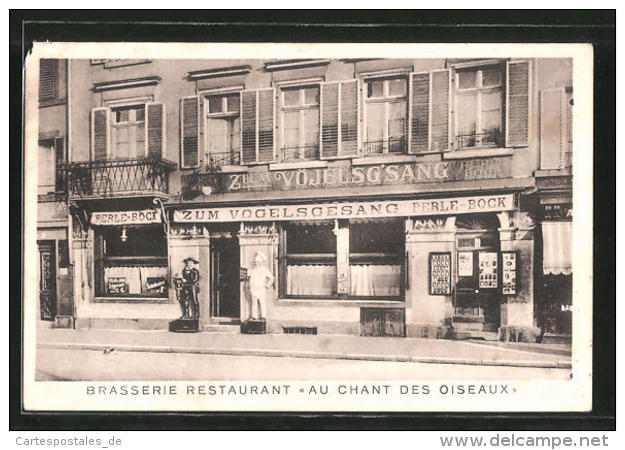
[[597, 27]]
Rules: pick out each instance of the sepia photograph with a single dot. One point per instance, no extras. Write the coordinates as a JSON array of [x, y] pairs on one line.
[[308, 227]]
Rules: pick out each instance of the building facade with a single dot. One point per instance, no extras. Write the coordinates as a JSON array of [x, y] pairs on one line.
[[388, 197]]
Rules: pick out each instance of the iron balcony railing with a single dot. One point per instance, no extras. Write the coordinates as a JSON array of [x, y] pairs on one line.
[[492, 138], [391, 145], [304, 153], [232, 158], [119, 177]]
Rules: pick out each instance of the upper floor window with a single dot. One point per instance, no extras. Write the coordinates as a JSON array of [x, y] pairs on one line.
[[128, 132], [300, 123], [479, 108], [386, 112], [51, 154], [48, 79], [223, 128]]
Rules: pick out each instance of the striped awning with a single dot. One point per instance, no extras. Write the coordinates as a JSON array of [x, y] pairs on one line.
[[557, 243]]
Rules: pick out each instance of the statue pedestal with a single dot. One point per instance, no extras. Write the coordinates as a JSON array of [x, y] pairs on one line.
[[184, 326], [254, 326]]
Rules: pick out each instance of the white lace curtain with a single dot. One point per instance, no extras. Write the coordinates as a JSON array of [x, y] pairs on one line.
[[135, 276]]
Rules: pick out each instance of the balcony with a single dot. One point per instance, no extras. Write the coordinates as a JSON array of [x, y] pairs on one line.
[[488, 139], [305, 153], [220, 159], [396, 145], [118, 178]]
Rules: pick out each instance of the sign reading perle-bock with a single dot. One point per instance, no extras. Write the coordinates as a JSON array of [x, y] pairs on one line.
[[140, 217], [324, 211]]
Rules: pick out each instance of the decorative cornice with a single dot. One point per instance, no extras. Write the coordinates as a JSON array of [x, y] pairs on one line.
[[290, 64], [220, 72], [124, 84]]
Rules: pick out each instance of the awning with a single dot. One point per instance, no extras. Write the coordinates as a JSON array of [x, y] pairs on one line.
[[557, 242]]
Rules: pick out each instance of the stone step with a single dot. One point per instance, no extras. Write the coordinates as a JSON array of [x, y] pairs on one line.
[[222, 328]]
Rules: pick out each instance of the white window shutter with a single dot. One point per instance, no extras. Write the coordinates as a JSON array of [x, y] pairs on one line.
[[155, 130], [100, 133], [329, 120], [553, 128], [248, 126], [266, 125], [517, 103], [189, 132], [419, 112], [348, 110]]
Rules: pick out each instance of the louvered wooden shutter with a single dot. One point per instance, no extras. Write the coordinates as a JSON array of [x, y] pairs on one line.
[[59, 157], [339, 111], [155, 130], [266, 120], [553, 128], [100, 133], [517, 103], [190, 129], [257, 126], [329, 120], [349, 118], [440, 91], [248, 127], [48, 74], [419, 112]]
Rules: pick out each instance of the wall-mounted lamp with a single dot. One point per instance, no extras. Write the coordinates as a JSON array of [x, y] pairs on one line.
[[124, 236]]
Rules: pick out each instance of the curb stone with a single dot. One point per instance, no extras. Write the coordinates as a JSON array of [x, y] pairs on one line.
[[310, 355]]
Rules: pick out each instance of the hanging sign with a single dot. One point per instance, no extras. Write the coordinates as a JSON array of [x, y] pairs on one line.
[[508, 261], [324, 211], [488, 269], [139, 217], [440, 273], [465, 264]]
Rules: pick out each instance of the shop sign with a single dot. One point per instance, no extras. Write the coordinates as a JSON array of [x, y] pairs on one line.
[[325, 211], [155, 285], [139, 217], [371, 175], [117, 285]]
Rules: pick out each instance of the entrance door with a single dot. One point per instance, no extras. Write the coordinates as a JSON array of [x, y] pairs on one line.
[[476, 300], [47, 280], [225, 288]]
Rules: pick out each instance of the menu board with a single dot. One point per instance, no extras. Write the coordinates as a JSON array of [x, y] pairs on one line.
[[508, 261], [488, 269], [440, 273], [465, 264]]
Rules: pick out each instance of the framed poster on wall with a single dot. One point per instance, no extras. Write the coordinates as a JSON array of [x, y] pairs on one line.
[[489, 272], [440, 273], [465, 264], [508, 270]]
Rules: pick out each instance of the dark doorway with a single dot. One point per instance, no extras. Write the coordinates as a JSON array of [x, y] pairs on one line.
[[47, 280], [225, 287]]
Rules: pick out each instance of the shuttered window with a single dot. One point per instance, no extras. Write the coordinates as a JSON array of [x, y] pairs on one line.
[[48, 79], [257, 126], [386, 115], [339, 111], [51, 158], [223, 128], [300, 123], [128, 132], [189, 132]]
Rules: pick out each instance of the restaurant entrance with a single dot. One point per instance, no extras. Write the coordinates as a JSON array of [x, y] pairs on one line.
[[224, 276]]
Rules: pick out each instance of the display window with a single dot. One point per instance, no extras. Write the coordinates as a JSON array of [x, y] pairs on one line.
[[131, 262], [343, 259]]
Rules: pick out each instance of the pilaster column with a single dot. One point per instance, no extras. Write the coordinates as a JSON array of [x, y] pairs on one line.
[[425, 313]]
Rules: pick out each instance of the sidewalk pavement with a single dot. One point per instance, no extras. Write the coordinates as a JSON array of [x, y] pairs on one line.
[[437, 351]]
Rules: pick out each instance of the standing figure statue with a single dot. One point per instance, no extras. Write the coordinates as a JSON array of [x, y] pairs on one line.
[[187, 288], [260, 279]]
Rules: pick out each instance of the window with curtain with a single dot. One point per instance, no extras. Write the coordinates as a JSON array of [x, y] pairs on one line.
[[128, 132], [479, 107], [131, 261], [223, 128], [373, 251], [386, 115], [300, 123], [310, 259]]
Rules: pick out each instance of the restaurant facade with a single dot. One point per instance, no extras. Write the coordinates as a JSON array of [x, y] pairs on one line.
[[386, 197]]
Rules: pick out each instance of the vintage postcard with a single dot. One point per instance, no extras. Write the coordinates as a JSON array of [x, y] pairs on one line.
[[310, 227]]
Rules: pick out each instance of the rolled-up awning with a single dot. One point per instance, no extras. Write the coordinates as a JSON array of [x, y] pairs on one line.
[[557, 242]]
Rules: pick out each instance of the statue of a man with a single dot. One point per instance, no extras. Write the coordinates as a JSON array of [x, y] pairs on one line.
[[190, 288], [260, 279]]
